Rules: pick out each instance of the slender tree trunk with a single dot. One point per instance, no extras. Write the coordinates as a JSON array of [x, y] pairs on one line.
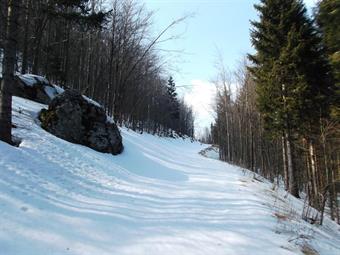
[[47, 65], [228, 137], [26, 40], [37, 42], [66, 50], [313, 173], [284, 160], [8, 71], [252, 149], [293, 187]]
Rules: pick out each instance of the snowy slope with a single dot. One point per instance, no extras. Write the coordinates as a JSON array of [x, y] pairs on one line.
[[159, 197]]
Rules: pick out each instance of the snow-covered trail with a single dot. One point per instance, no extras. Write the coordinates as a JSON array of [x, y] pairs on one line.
[[159, 197]]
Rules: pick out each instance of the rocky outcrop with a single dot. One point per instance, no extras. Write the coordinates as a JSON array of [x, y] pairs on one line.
[[35, 87], [77, 119]]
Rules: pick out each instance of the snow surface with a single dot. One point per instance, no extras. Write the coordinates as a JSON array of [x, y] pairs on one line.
[[51, 92], [91, 101], [159, 197], [211, 152], [58, 89], [31, 79]]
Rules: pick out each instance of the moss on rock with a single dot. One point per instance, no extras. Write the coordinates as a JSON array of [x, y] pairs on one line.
[[46, 118]]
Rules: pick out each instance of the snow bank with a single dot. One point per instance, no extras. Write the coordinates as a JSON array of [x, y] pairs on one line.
[[159, 197], [31, 79], [91, 101], [211, 152]]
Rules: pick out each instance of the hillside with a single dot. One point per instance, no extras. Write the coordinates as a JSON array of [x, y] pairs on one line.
[[160, 196]]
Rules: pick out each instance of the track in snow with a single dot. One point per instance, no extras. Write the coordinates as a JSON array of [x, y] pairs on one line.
[[159, 197]]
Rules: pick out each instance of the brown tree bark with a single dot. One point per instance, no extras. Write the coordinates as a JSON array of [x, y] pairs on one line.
[[8, 71], [284, 160], [26, 39], [293, 187]]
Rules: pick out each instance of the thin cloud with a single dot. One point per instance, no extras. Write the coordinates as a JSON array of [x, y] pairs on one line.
[[201, 98]]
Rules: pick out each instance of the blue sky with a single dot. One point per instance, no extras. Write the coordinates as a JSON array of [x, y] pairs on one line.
[[215, 24], [214, 27]]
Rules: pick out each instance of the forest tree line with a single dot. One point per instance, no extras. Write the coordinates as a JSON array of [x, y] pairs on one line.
[[106, 50], [283, 123]]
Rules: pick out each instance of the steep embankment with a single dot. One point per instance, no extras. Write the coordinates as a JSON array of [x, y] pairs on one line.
[[159, 197]]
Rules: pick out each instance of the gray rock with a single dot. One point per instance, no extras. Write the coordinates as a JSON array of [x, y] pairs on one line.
[[34, 87], [73, 118]]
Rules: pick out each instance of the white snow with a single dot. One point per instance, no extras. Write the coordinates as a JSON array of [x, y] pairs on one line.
[[109, 119], [159, 197], [51, 92], [59, 89], [91, 101], [211, 152], [31, 79]]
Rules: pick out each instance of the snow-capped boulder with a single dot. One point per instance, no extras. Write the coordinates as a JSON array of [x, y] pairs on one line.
[[72, 117], [35, 87]]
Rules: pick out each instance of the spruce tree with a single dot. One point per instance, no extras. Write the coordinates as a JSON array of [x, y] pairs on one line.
[[291, 75], [171, 88], [173, 101], [328, 20]]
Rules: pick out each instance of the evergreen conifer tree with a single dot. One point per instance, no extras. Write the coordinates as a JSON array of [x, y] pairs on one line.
[[328, 19], [291, 75], [172, 88], [174, 105]]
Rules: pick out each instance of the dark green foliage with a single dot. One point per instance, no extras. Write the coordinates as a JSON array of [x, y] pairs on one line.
[[76, 11], [173, 101], [290, 69], [171, 88], [328, 20], [46, 117], [292, 76]]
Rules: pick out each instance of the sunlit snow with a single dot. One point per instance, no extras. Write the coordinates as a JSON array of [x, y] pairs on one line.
[[159, 197]]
